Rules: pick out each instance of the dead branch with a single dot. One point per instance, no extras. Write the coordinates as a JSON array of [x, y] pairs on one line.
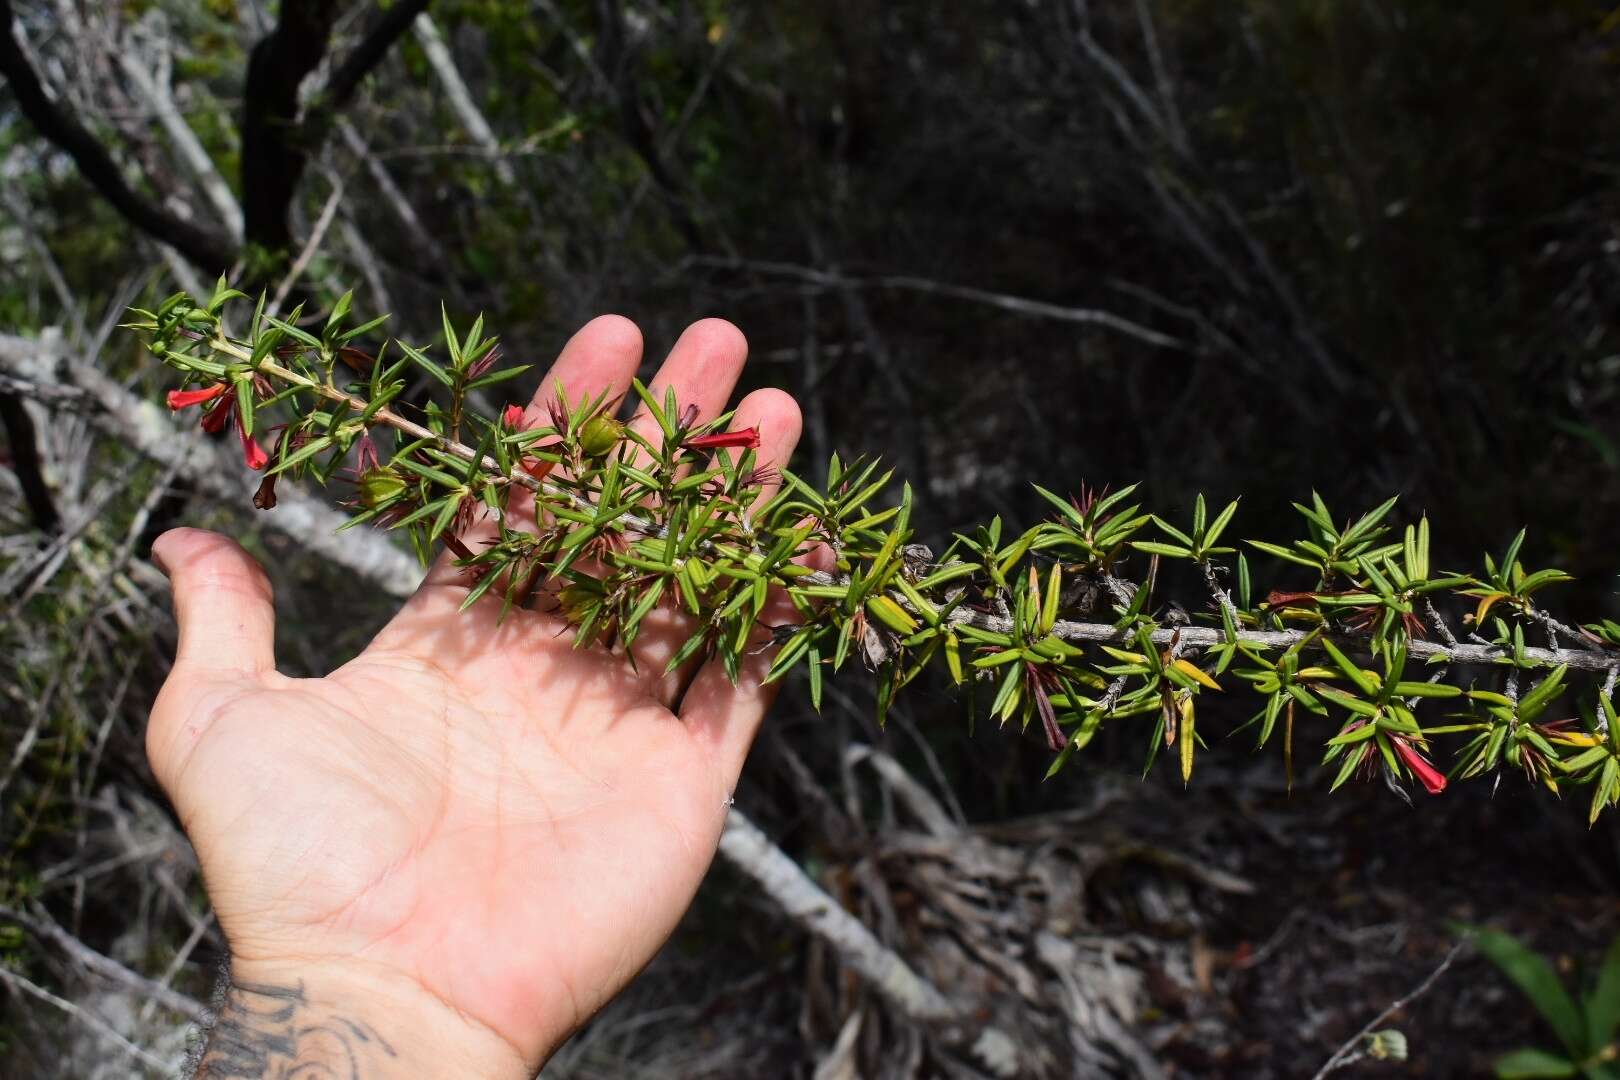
[[1350, 1052], [200, 245], [47, 929], [386, 28], [905, 282], [273, 155]]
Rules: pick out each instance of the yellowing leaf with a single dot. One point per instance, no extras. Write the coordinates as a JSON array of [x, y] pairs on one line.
[[891, 614], [1193, 671], [1487, 602], [1186, 738]]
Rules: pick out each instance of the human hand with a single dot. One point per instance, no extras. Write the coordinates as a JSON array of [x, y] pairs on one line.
[[444, 856]]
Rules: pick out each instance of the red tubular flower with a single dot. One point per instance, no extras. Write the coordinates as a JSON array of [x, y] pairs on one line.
[[252, 452], [513, 417], [222, 412], [181, 399], [1427, 774], [747, 438]]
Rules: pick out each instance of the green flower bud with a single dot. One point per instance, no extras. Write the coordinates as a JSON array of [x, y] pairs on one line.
[[600, 435], [379, 485]]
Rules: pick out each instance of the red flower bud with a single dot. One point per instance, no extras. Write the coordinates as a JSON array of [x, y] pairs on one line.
[[513, 417], [747, 438], [1427, 774], [180, 399]]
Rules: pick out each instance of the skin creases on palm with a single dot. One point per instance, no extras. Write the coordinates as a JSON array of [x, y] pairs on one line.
[[472, 804]]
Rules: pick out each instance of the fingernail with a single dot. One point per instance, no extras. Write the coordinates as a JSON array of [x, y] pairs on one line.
[[157, 559]]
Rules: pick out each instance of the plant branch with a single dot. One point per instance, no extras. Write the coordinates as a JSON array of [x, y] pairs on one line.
[[184, 139], [148, 430], [460, 97], [1018, 611], [1208, 637], [1187, 637]]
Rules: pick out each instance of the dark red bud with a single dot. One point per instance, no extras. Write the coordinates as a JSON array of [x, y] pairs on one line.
[[747, 438], [1431, 778]]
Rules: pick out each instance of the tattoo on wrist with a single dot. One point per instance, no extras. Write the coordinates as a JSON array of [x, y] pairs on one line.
[[268, 1032]]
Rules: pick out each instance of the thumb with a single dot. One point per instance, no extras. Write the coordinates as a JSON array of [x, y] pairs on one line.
[[222, 603]]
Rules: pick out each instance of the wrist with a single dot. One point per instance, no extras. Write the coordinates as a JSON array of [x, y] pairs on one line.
[[286, 1019]]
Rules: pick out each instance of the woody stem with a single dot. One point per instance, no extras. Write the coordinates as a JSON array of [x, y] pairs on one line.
[[1102, 633]]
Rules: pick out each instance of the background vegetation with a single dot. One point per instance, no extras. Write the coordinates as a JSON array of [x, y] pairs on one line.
[[1248, 247]]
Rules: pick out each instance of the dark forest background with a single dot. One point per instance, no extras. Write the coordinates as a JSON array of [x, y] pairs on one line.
[[1242, 247]]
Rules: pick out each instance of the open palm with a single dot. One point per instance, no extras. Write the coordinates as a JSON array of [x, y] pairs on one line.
[[472, 806]]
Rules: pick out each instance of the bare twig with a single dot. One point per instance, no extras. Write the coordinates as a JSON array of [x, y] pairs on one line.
[[388, 26], [1439, 623], [134, 62], [1555, 629], [460, 98], [53, 122], [1174, 130], [17, 982], [47, 929], [784, 882], [395, 197], [780, 878], [1017, 304], [311, 246], [1349, 1052]]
